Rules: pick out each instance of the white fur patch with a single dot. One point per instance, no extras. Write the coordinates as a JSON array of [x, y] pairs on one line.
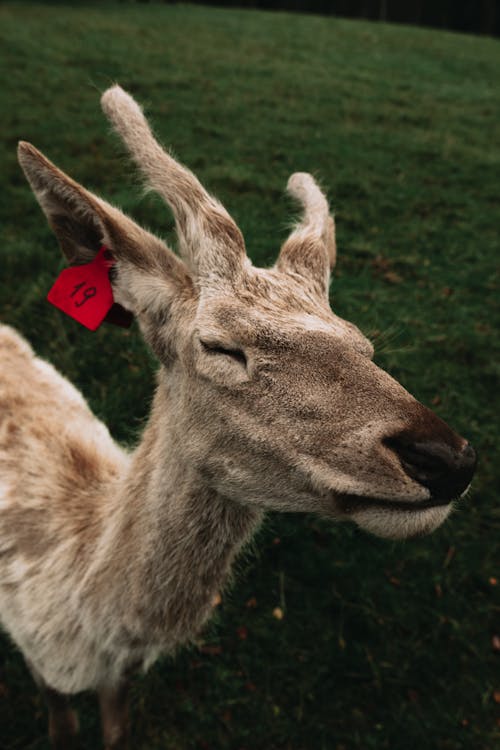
[[401, 524], [315, 323], [66, 391]]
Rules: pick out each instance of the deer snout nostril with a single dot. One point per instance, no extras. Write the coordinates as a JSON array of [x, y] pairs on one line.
[[445, 471]]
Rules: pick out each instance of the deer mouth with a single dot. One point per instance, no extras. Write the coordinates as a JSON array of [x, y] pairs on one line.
[[396, 519], [350, 504]]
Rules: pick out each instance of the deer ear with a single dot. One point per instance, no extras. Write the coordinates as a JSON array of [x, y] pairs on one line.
[[148, 278], [310, 250], [209, 239]]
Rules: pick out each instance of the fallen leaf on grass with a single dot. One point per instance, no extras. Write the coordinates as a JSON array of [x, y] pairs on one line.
[[383, 267], [393, 580], [392, 277], [449, 557], [211, 650]]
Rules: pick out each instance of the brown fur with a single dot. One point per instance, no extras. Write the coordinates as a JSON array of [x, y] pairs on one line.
[[266, 399]]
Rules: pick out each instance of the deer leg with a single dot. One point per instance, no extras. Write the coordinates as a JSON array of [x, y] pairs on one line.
[[114, 704], [63, 721]]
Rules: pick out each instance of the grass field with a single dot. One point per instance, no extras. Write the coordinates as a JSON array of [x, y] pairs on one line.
[[383, 645]]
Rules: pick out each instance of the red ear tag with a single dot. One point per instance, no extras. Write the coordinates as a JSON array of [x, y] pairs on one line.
[[84, 292]]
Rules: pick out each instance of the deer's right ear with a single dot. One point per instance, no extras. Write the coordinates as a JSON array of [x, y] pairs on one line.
[[149, 277]]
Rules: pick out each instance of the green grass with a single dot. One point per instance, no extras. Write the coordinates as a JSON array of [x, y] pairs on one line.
[[383, 645]]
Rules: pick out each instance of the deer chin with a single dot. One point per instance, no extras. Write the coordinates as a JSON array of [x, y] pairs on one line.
[[395, 519]]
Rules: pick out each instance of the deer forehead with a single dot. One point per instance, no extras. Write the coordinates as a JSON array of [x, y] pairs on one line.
[[267, 306]]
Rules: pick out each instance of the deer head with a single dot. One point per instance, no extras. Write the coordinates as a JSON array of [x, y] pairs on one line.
[[273, 398]]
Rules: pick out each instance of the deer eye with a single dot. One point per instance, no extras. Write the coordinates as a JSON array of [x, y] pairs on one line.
[[214, 349]]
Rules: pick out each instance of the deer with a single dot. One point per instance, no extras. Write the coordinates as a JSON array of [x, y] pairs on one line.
[[266, 400]]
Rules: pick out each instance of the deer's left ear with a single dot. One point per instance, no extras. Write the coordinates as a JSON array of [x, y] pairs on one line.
[[149, 277]]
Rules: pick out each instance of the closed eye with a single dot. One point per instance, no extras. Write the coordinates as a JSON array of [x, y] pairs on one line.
[[237, 355]]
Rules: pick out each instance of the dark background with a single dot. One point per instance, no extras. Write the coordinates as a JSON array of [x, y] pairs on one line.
[[476, 16]]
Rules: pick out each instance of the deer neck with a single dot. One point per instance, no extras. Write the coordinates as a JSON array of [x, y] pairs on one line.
[[172, 539]]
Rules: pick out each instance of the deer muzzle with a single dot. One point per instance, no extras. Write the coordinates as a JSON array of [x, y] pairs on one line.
[[444, 470]]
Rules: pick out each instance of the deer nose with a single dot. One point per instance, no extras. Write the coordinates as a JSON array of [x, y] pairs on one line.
[[445, 471]]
